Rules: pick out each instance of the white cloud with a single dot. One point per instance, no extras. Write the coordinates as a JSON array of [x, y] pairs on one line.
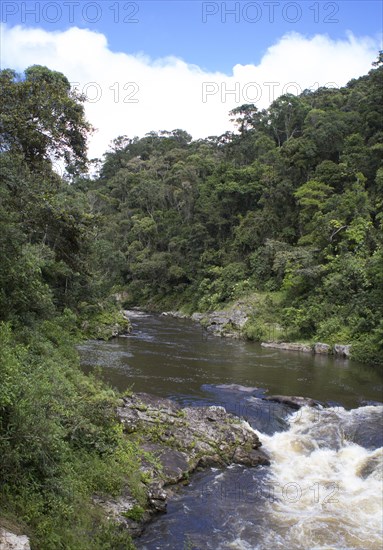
[[165, 94]]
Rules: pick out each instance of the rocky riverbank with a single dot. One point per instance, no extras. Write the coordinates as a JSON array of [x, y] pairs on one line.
[[229, 323], [179, 441], [319, 348]]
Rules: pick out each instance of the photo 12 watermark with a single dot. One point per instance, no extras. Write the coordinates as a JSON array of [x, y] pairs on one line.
[[288, 493], [116, 92], [253, 92], [69, 12], [270, 12]]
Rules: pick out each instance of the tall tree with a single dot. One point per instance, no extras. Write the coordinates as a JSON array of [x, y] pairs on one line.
[[42, 117]]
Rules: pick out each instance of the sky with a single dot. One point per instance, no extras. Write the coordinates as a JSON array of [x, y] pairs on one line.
[[160, 65]]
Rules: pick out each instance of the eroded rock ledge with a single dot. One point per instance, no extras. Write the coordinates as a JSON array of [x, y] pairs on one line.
[[181, 440], [339, 350], [227, 323]]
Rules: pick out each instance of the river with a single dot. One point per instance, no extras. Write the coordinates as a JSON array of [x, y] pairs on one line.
[[323, 489]]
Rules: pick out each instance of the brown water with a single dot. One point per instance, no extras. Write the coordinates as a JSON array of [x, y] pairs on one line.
[[176, 357]]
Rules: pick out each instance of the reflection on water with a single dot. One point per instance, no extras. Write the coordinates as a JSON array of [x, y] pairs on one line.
[[176, 357]]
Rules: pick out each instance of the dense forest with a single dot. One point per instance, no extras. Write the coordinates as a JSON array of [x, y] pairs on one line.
[[287, 211]]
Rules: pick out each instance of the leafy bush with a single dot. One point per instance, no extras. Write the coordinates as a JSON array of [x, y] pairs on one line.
[[60, 441]]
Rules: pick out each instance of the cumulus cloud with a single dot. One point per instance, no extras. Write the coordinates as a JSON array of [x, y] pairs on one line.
[[133, 94]]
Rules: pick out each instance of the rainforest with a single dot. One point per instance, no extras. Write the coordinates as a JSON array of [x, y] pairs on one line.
[[284, 214]]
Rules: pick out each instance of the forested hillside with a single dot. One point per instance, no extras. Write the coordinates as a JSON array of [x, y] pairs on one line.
[[289, 207], [287, 210], [60, 441]]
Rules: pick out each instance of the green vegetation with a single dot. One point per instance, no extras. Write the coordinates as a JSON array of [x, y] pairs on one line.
[[60, 440], [135, 513], [286, 212], [290, 207]]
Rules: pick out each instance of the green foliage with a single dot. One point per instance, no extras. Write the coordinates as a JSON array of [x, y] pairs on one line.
[[255, 330], [41, 117], [135, 513], [287, 213], [60, 440], [102, 322], [291, 202]]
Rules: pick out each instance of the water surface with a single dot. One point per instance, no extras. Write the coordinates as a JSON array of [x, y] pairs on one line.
[[177, 358], [323, 489]]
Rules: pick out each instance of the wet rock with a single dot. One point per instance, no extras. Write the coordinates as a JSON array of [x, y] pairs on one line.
[[288, 346], [254, 457], [342, 351], [295, 402], [371, 466], [238, 388], [157, 497], [321, 348], [175, 314], [181, 440], [10, 541]]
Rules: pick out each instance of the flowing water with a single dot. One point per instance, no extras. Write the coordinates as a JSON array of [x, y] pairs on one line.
[[323, 489]]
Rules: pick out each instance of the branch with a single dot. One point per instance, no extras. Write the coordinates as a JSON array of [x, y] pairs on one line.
[[337, 231]]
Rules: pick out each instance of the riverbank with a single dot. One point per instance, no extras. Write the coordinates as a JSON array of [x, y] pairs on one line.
[[174, 442], [239, 320]]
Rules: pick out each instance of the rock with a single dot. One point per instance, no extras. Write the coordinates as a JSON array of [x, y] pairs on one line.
[[321, 348], [227, 323], [180, 440], [198, 317], [289, 346], [10, 541], [342, 351], [157, 497], [119, 510], [175, 314], [293, 401], [215, 413], [174, 463], [192, 432], [121, 297], [255, 457], [237, 387]]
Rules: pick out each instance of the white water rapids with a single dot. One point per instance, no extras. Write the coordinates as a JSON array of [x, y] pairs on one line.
[[326, 488], [323, 489]]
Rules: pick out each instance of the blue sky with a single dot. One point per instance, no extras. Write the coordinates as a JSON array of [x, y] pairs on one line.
[[160, 65], [212, 35]]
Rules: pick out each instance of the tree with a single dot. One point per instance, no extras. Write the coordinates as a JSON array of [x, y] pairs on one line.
[[42, 118]]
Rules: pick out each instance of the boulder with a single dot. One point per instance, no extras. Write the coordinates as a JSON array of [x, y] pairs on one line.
[[175, 314], [295, 402], [228, 322], [10, 541], [194, 431], [181, 440], [321, 348], [288, 346], [342, 351]]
